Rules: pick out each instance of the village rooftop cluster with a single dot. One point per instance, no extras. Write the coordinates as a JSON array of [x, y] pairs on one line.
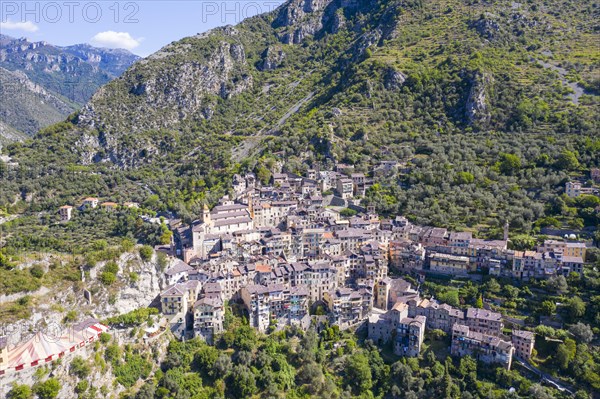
[[304, 243]]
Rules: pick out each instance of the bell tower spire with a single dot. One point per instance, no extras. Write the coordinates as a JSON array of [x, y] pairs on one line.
[[206, 215]]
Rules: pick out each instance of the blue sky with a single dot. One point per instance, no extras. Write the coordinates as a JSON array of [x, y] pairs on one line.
[[141, 27]]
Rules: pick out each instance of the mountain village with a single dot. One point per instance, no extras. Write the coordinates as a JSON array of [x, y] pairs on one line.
[[290, 254]]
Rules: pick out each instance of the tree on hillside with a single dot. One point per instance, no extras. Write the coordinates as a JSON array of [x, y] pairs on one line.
[[582, 332], [479, 303], [358, 373], [402, 376], [509, 163], [492, 286], [242, 383], [565, 353], [558, 284], [511, 292], [567, 160], [575, 308], [547, 308]]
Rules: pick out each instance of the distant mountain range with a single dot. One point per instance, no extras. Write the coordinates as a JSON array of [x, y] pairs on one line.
[[41, 84]]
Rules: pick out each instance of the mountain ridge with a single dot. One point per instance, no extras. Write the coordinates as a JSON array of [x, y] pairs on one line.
[[444, 89], [186, 82], [69, 75]]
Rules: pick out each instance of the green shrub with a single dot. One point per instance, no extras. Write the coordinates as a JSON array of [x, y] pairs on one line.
[[112, 354], [146, 252], [134, 367], [105, 337], [14, 281], [48, 389], [82, 386], [70, 317], [134, 277], [134, 318], [19, 391], [347, 212], [37, 271], [111, 267], [108, 278], [25, 300], [162, 261], [127, 244], [79, 367]]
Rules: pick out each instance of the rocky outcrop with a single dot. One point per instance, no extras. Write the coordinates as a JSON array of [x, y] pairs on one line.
[[232, 88], [178, 83], [140, 293], [488, 27], [393, 79], [503, 28], [364, 42], [300, 19], [271, 58], [184, 85], [297, 11], [339, 21], [477, 111]]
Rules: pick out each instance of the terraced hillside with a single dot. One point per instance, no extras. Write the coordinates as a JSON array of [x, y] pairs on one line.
[[446, 88]]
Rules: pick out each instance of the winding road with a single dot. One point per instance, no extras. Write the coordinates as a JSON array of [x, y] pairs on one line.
[[547, 378]]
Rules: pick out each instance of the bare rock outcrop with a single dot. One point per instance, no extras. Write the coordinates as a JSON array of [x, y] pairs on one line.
[[393, 79], [272, 58], [477, 109]]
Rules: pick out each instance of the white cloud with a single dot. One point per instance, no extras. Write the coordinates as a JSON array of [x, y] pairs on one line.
[[112, 39], [26, 26]]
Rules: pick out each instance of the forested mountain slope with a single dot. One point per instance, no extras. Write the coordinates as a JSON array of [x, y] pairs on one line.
[[449, 88]]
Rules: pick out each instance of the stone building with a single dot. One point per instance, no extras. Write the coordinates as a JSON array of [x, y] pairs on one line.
[[482, 347]]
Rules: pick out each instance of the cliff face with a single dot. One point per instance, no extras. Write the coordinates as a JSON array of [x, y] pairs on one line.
[[477, 109], [158, 94], [74, 72], [112, 61], [299, 19], [123, 297], [27, 106]]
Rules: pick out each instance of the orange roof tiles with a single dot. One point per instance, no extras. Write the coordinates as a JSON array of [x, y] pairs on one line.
[[263, 268]]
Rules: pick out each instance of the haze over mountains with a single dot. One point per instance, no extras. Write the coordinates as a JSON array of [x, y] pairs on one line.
[[41, 83]]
